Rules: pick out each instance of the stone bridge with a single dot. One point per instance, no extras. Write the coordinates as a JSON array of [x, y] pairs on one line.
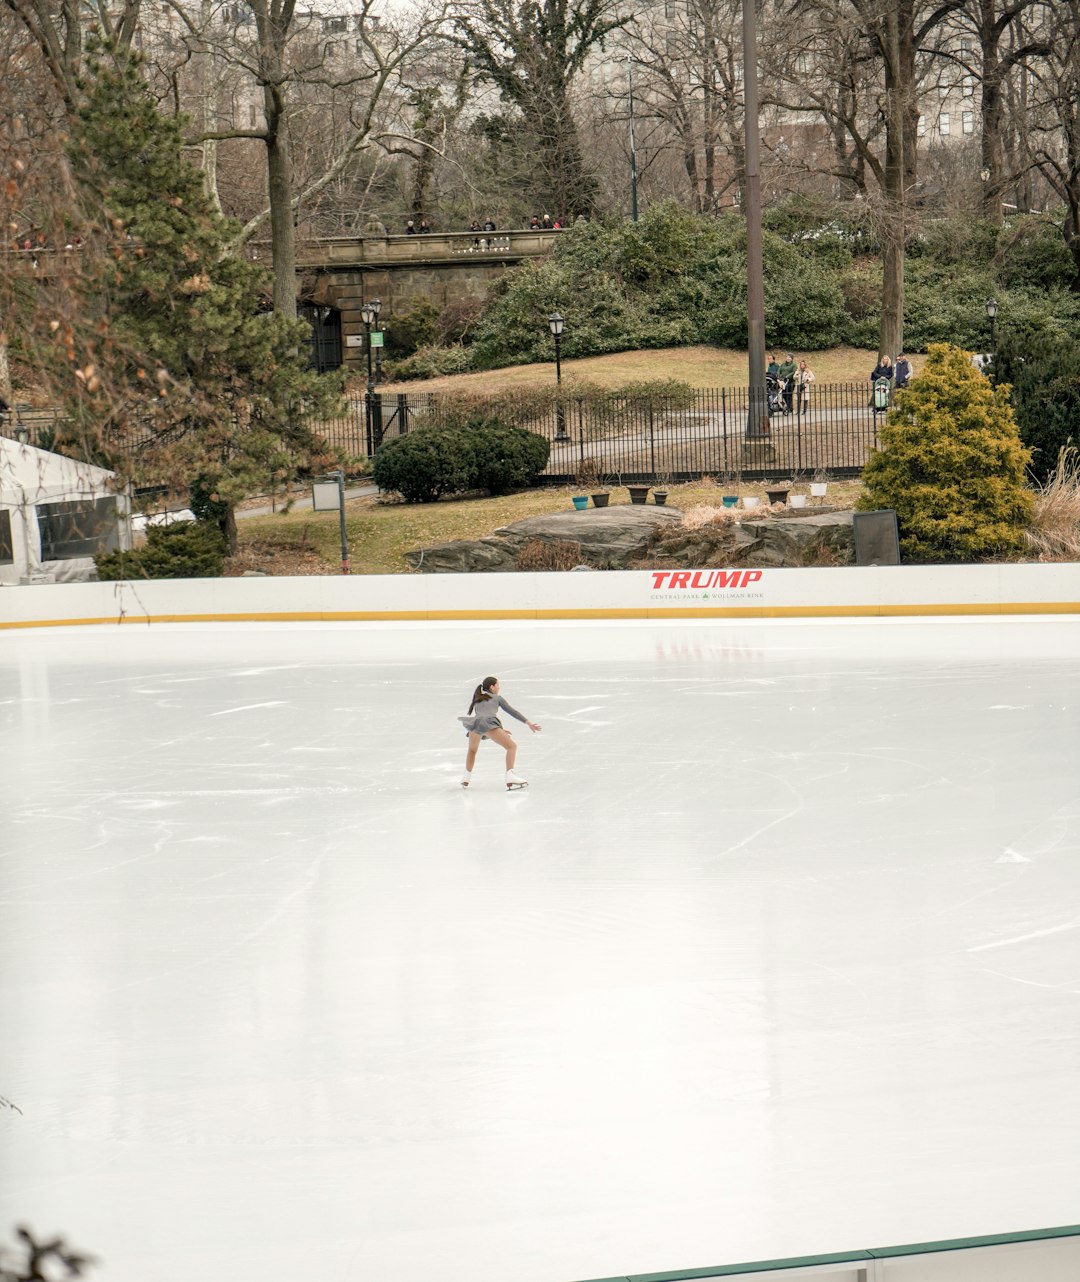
[[336, 275]]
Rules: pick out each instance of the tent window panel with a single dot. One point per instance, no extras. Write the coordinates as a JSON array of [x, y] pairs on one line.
[[82, 528], [7, 548]]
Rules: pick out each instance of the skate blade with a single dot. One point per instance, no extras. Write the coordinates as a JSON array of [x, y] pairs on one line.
[[511, 787]]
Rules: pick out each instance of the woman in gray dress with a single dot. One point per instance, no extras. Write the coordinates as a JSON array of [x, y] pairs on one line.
[[483, 723]]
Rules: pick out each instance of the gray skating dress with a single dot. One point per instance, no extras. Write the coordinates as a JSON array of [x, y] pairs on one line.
[[485, 715]]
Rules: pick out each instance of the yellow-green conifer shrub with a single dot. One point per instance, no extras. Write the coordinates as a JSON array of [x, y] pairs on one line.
[[952, 465]]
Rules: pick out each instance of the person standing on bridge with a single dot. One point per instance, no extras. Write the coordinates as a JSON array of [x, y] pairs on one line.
[[410, 228], [424, 228]]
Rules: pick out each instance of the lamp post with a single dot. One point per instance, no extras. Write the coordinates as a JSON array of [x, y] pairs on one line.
[[991, 316], [22, 434], [369, 314], [757, 417], [556, 324], [328, 494]]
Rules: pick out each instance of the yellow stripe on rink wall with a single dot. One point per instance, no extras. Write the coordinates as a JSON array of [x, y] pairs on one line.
[[829, 593]]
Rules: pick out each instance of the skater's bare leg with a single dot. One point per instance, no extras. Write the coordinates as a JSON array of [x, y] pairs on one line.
[[505, 740], [470, 755]]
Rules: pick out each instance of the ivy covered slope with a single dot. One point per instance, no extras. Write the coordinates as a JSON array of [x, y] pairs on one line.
[[676, 278], [952, 465], [187, 359]]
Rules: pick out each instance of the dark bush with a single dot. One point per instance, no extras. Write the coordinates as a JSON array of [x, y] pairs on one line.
[[411, 330], [426, 464], [1032, 254], [187, 550], [504, 457], [1045, 395]]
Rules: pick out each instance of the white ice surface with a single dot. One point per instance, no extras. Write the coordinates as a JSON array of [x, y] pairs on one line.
[[779, 954]]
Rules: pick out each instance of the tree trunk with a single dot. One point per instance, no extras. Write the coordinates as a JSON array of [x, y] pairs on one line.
[[280, 189]]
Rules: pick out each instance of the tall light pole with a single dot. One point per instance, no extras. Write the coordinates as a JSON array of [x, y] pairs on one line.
[[556, 324], [757, 419], [369, 314], [633, 148]]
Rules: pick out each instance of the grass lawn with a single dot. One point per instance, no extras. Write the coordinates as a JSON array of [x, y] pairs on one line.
[[380, 533], [698, 366]]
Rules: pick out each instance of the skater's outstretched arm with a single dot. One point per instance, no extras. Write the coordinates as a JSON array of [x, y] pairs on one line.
[[513, 712]]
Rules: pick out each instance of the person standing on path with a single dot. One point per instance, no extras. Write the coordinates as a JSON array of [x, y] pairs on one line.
[[804, 376], [483, 722]]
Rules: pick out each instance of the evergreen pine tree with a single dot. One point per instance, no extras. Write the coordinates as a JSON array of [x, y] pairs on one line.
[[952, 465], [189, 361]]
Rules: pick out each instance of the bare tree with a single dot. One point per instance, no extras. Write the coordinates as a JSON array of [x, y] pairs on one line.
[[883, 40], [532, 52], [1056, 121], [691, 80]]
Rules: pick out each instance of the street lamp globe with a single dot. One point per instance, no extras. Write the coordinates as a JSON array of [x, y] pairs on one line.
[[368, 313], [991, 308], [556, 323]]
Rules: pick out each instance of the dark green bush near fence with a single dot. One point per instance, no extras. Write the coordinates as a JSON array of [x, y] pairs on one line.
[[505, 458], [425, 465], [1045, 382], [187, 550], [474, 452]]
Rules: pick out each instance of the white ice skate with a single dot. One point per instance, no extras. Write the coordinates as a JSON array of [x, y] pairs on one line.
[[466, 779], [515, 781]]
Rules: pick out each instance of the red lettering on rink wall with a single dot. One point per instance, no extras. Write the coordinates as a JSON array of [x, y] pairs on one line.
[[699, 579]]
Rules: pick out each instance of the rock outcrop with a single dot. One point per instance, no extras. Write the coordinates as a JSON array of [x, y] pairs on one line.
[[627, 536], [824, 538], [610, 539]]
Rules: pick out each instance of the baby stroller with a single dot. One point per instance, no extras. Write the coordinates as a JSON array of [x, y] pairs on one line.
[[774, 392], [882, 396]]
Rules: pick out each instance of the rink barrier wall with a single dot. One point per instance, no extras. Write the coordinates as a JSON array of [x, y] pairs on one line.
[[842, 592], [1049, 1255]]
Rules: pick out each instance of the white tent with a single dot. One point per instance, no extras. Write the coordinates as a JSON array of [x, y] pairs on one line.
[[56, 513]]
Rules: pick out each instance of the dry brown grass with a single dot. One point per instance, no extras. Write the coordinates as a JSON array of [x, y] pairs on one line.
[[1054, 532], [698, 366], [561, 554]]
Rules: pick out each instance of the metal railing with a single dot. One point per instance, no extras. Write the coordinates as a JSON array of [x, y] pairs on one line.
[[707, 432], [617, 438]]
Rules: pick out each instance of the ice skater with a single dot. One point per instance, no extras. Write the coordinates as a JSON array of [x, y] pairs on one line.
[[483, 723]]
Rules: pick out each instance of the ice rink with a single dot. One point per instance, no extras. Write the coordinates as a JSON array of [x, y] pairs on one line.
[[779, 953]]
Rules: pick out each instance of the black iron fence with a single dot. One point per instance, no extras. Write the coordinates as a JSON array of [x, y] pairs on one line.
[[705, 432], [617, 439]]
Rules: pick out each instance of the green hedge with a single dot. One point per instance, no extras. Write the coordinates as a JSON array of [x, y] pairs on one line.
[[475, 452], [186, 550]]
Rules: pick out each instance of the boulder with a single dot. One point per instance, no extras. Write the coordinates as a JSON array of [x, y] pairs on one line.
[[823, 538], [610, 538], [627, 536]]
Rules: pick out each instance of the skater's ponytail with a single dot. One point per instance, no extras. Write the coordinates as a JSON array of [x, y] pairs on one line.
[[481, 693]]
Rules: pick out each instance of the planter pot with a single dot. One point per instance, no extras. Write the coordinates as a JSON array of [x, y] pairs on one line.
[[638, 493], [659, 497], [798, 500], [751, 502], [600, 500], [730, 500], [818, 489], [580, 501], [778, 495]]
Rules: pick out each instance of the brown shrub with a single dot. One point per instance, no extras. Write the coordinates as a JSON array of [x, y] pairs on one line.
[[1054, 531], [539, 554]]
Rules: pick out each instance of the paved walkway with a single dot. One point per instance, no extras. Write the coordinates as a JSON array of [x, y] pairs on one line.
[[356, 492]]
